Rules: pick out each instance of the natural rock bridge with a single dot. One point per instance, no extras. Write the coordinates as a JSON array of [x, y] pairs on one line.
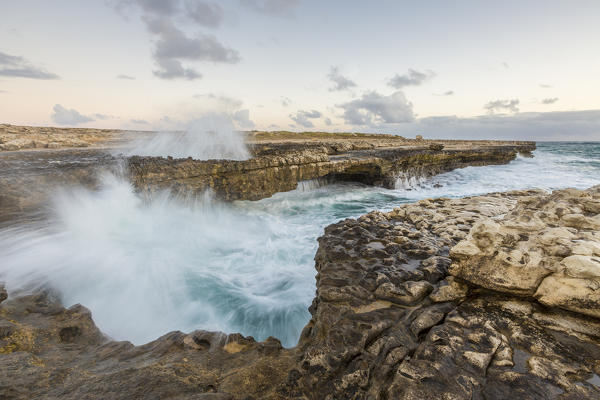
[[279, 167]]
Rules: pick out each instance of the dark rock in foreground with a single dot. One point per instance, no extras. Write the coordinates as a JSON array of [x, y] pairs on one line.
[[489, 297]]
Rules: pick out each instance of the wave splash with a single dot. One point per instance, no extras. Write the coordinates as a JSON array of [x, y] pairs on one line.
[[148, 267], [210, 137]]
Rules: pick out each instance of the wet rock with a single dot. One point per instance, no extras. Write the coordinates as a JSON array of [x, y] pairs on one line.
[[282, 166], [3, 293], [390, 319]]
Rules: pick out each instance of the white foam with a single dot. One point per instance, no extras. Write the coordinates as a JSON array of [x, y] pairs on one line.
[[146, 267], [211, 137]]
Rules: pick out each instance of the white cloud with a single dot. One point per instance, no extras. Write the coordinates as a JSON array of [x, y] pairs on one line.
[[242, 119], [411, 78], [374, 109], [511, 105], [19, 67], [64, 116], [550, 100], [340, 82], [555, 125], [303, 118], [173, 45]]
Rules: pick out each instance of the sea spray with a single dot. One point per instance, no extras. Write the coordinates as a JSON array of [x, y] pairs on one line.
[[212, 136], [146, 266]]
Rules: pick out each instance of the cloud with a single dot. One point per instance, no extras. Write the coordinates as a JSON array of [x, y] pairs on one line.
[[19, 67], [448, 93], [221, 101], [373, 108], [303, 117], [126, 77], [272, 7], [285, 101], [328, 121], [502, 105], [139, 121], [206, 14], [166, 19], [161, 7], [340, 82], [242, 117], [173, 45], [3, 91], [550, 100], [411, 78], [542, 85], [172, 69], [556, 125], [102, 116], [64, 116]]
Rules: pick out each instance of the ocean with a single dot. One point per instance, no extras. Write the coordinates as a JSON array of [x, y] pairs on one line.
[[145, 268]]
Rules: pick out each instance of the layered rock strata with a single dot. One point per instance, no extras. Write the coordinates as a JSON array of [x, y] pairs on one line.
[[278, 168], [35, 161], [440, 299]]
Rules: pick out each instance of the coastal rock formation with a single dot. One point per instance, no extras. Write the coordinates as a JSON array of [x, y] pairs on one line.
[[394, 316], [398, 314], [47, 351], [546, 247], [15, 137], [279, 167], [38, 160]]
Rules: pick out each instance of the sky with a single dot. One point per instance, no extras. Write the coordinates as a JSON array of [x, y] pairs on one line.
[[462, 69]]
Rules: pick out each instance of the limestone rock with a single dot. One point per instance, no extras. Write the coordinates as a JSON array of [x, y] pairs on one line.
[[546, 246], [390, 319], [449, 290], [574, 294]]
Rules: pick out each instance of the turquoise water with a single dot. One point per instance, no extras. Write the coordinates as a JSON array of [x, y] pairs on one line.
[[145, 268]]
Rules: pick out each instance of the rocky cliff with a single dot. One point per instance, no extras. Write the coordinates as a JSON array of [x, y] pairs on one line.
[[489, 297], [279, 167], [35, 161]]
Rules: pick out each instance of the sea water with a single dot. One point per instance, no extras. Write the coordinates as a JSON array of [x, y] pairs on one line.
[[145, 267]]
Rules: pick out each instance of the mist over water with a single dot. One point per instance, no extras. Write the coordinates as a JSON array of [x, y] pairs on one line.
[[145, 268], [148, 266], [212, 136]]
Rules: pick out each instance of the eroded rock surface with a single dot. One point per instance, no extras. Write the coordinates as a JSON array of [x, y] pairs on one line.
[[406, 308], [36, 161], [279, 167], [389, 321], [547, 247]]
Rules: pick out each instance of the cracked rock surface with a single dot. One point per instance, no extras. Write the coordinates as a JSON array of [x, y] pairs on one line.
[[488, 297]]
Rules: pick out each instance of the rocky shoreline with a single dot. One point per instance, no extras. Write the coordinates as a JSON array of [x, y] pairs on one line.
[[280, 160], [280, 167], [488, 297]]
